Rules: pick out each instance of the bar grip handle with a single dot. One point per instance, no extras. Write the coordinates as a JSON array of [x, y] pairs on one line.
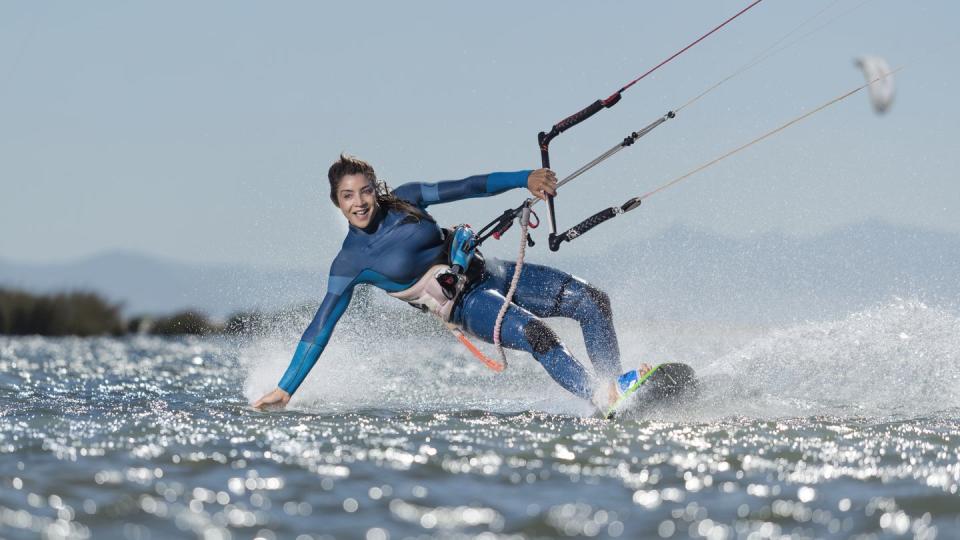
[[591, 222], [579, 116]]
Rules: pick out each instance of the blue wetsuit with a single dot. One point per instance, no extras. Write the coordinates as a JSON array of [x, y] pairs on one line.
[[396, 249]]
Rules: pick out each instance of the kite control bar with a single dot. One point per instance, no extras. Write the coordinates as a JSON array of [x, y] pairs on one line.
[[556, 239], [502, 223], [591, 222], [544, 138], [499, 226]]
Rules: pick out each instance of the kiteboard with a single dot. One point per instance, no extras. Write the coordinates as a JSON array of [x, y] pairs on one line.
[[665, 383]]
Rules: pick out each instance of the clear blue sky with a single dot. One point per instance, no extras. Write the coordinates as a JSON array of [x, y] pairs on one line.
[[202, 131]]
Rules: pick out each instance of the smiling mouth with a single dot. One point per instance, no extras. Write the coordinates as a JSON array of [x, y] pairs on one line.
[[362, 213]]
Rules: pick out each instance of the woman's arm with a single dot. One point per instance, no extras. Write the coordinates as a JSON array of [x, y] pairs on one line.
[[424, 194], [313, 341]]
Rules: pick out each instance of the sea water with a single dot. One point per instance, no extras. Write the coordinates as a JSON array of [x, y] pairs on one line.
[[848, 428]]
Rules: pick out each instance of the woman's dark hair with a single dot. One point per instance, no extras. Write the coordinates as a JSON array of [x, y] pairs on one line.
[[348, 165]]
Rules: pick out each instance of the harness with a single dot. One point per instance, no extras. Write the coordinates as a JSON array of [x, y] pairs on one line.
[[430, 294], [442, 286]]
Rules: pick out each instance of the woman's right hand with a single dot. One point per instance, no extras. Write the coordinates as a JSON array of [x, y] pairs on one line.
[[542, 182], [277, 399]]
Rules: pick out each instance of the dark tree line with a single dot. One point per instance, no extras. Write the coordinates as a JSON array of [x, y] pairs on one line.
[[61, 314], [87, 314]]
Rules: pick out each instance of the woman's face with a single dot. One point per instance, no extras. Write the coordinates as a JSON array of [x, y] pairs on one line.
[[357, 199]]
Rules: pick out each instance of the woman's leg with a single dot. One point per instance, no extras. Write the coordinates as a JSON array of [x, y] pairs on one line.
[[548, 292], [521, 330]]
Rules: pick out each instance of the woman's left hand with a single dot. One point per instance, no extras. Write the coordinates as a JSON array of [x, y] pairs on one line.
[[277, 399], [542, 182]]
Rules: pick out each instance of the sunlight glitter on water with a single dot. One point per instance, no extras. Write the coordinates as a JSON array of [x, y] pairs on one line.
[[153, 438]]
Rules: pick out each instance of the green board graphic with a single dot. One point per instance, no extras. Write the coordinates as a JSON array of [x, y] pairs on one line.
[[663, 382]]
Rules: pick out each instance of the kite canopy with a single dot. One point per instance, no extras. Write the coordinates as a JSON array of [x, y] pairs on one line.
[[878, 74]]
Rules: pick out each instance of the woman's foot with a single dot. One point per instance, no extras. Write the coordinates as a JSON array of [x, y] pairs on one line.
[[625, 381]]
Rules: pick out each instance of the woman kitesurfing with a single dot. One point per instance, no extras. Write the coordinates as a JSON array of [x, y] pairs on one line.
[[395, 245]]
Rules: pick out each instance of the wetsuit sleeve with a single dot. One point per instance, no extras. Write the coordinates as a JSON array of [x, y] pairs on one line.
[[315, 338], [424, 194]]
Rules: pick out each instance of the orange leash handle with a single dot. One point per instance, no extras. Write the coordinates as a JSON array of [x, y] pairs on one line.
[[489, 362]]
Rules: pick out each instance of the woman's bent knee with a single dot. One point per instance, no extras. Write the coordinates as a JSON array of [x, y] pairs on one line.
[[600, 299], [540, 336]]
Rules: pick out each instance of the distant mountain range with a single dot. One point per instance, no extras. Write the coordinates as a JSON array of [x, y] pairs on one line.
[[685, 274], [679, 274]]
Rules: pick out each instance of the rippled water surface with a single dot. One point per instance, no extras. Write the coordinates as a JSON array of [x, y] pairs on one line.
[[848, 428]]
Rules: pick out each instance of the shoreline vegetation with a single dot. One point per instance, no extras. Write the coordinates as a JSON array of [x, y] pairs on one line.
[[84, 313]]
